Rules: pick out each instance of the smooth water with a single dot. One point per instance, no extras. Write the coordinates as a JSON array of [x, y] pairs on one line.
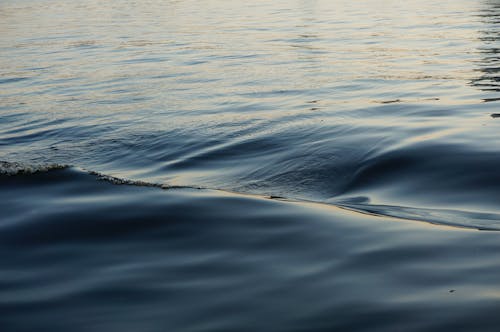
[[85, 255], [383, 108]]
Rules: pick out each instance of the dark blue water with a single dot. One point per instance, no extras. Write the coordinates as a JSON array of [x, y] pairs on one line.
[[141, 142], [84, 254]]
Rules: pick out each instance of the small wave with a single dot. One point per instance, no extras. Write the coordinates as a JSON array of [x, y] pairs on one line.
[[15, 168], [123, 181], [455, 218], [446, 217]]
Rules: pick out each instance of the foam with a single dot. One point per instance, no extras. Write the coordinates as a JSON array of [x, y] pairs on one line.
[[122, 181], [15, 168]]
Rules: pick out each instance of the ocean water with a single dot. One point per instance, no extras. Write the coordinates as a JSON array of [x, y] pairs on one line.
[[249, 166]]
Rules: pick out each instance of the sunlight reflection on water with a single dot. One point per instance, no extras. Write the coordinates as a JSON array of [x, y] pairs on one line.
[[273, 97]]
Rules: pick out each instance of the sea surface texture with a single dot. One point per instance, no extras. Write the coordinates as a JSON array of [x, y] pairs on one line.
[[249, 165]]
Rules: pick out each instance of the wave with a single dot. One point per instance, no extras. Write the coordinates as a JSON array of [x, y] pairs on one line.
[[141, 257], [446, 217], [16, 168], [122, 181]]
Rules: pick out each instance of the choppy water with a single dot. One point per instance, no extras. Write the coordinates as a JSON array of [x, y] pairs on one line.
[[383, 108]]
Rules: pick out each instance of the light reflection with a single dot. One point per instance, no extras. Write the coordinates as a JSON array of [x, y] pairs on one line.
[[489, 65]]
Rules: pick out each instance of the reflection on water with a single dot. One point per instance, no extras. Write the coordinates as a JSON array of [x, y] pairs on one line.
[[489, 80], [314, 100], [374, 106]]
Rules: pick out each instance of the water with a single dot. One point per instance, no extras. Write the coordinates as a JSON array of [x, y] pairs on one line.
[[138, 141]]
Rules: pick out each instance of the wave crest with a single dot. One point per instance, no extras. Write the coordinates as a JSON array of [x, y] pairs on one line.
[[455, 218], [122, 181], [15, 168]]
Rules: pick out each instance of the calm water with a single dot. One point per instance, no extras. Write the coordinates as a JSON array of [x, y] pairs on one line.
[[386, 109]]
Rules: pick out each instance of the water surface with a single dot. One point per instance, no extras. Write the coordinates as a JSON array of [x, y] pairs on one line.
[[385, 109], [310, 99], [85, 254]]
